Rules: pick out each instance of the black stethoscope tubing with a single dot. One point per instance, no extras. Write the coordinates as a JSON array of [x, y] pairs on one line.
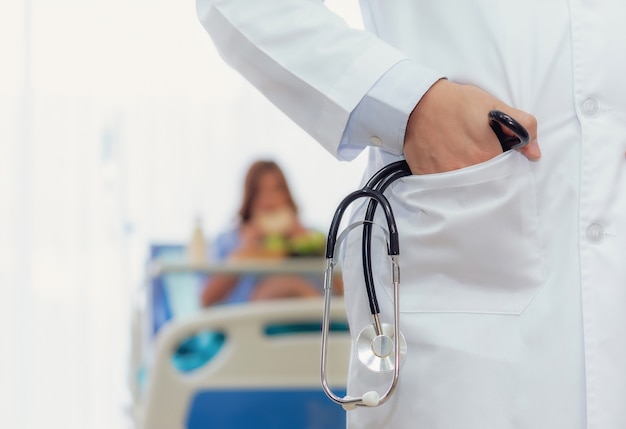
[[391, 173]]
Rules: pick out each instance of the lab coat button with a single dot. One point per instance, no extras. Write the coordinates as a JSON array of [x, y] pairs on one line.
[[595, 233], [376, 141], [590, 107]]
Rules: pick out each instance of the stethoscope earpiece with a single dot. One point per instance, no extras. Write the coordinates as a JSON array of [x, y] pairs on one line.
[[521, 138]]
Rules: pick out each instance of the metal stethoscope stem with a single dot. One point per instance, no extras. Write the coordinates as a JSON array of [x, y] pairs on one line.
[[371, 398]]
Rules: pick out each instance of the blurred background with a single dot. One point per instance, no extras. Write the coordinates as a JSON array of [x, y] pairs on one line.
[[119, 126]]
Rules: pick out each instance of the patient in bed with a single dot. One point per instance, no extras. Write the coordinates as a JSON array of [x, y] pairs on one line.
[[268, 228]]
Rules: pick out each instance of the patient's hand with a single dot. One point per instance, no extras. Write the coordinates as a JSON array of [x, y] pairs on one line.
[[254, 245]]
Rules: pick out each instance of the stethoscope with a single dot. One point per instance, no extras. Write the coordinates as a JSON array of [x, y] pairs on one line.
[[381, 347]]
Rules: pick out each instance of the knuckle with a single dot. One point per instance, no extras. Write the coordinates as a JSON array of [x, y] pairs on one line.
[[528, 120]]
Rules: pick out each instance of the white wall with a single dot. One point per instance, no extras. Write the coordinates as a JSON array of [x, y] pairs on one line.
[[118, 125]]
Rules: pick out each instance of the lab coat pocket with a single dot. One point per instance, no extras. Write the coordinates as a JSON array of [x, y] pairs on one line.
[[470, 239]]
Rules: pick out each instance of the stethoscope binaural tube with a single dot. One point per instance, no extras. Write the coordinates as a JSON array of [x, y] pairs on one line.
[[394, 243], [379, 182], [376, 336]]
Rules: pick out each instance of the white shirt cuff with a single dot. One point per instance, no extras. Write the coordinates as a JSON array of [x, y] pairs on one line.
[[380, 118]]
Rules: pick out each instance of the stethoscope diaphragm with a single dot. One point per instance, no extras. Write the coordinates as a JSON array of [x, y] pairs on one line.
[[377, 352]]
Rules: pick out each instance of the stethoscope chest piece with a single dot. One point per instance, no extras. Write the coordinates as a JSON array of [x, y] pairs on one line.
[[377, 352]]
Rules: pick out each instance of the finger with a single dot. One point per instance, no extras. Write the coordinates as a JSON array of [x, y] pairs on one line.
[[532, 150]]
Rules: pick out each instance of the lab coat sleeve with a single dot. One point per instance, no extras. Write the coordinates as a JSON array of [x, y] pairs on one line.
[[381, 117], [301, 56]]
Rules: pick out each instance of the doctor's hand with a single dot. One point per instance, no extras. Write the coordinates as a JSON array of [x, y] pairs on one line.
[[449, 129]]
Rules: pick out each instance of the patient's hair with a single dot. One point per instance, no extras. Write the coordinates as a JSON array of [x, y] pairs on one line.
[[251, 186]]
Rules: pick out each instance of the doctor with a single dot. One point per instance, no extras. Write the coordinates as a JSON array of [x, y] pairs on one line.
[[513, 288]]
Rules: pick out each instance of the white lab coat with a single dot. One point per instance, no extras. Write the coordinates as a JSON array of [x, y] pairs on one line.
[[513, 282]]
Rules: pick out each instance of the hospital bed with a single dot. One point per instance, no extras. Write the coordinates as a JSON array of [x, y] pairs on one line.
[[263, 371]]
